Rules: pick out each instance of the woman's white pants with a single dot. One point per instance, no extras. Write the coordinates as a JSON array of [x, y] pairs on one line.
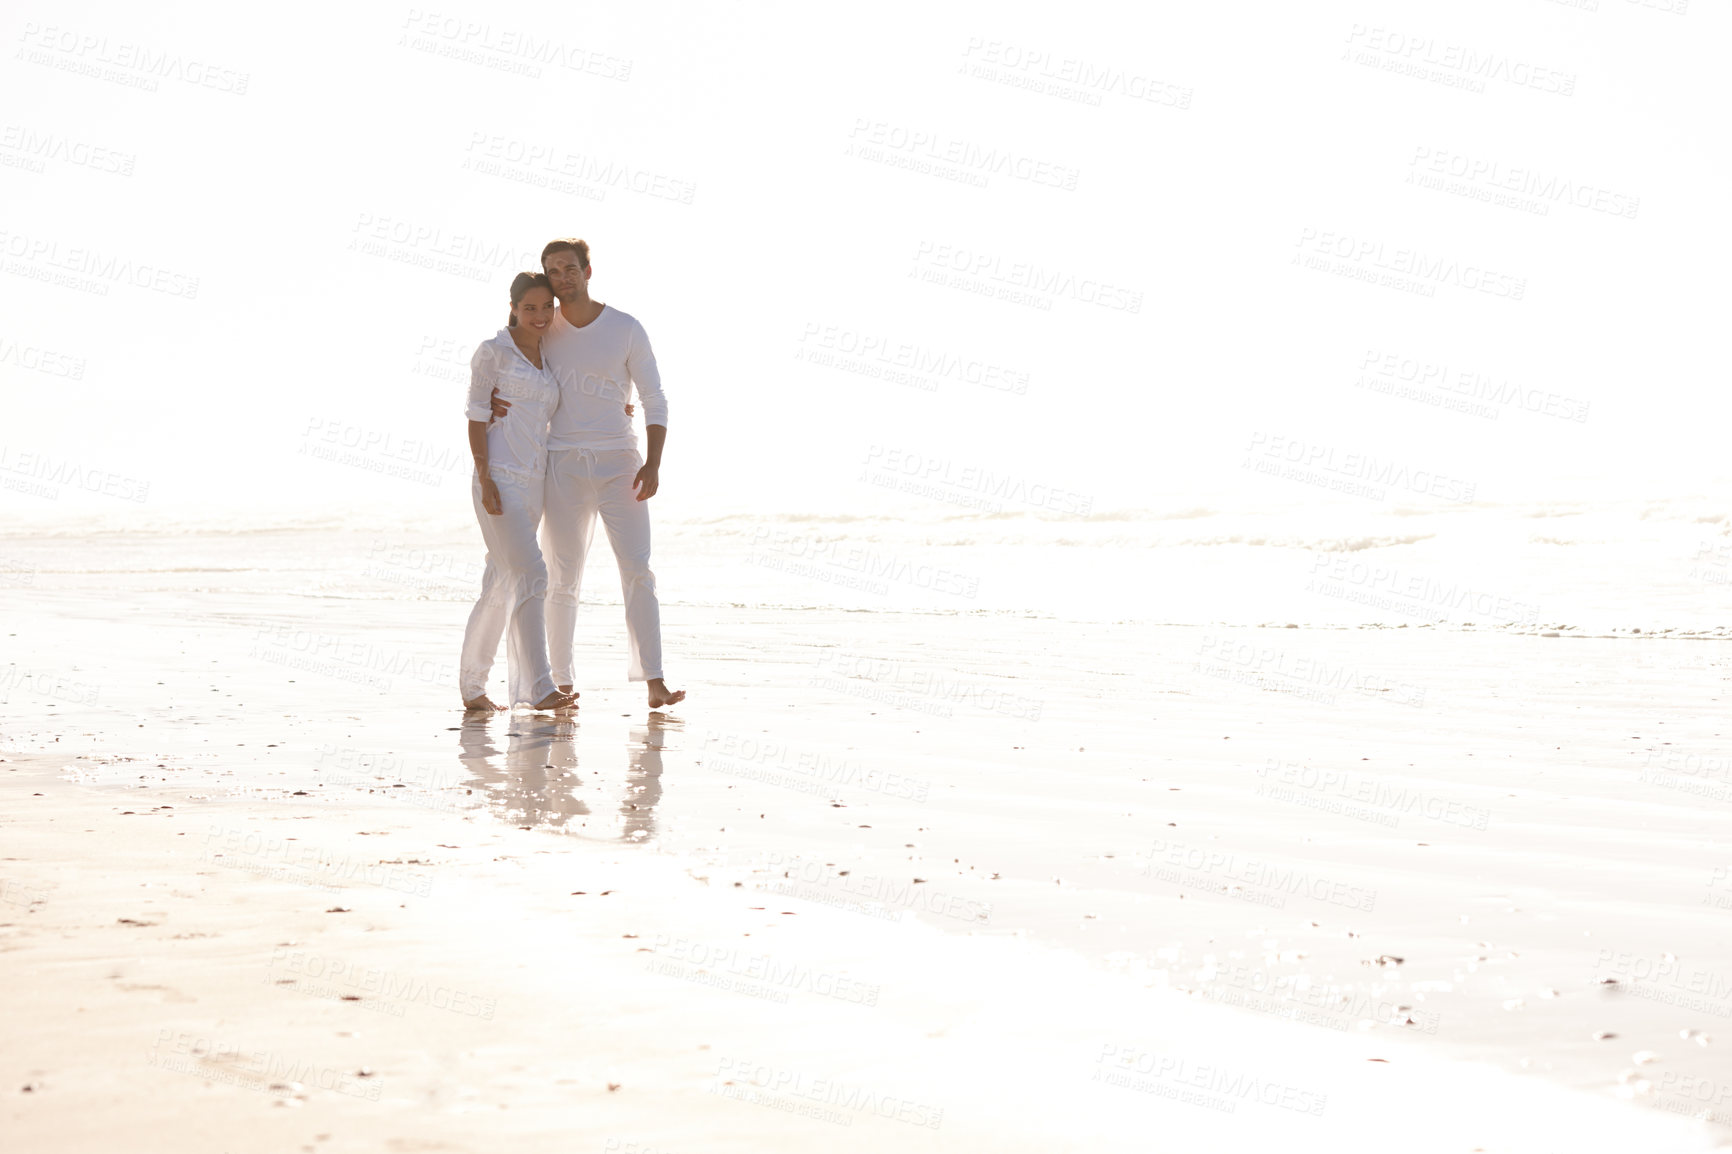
[[513, 593]]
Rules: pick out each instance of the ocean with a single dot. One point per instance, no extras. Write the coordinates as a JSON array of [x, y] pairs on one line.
[[1650, 566]]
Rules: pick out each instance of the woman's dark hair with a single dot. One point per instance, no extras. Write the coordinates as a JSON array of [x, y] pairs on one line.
[[522, 283]]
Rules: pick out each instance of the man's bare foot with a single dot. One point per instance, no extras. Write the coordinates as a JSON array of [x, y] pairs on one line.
[[559, 699], [660, 694], [482, 704]]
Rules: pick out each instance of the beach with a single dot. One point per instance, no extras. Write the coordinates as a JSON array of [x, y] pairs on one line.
[[1196, 540], [936, 876]]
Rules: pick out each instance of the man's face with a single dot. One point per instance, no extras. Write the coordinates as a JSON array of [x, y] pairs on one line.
[[565, 274]]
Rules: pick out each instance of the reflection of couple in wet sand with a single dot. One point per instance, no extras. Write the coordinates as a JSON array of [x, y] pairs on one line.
[[537, 780], [550, 430]]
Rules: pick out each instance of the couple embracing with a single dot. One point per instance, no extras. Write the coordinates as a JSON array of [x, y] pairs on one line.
[[550, 430]]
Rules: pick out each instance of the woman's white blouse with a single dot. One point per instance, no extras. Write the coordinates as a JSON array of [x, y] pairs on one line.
[[517, 444]]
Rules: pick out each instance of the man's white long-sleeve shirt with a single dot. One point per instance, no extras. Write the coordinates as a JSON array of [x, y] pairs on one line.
[[596, 367]]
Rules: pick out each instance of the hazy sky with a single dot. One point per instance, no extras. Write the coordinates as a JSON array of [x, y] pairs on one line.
[[1116, 252]]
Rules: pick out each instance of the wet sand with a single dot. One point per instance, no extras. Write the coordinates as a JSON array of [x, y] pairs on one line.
[[930, 881]]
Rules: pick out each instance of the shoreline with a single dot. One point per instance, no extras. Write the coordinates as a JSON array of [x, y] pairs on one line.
[[944, 863]]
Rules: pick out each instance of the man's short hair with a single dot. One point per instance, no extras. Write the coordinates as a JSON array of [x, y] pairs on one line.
[[567, 244]]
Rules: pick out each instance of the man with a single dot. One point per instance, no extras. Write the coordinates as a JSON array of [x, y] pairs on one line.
[[597, 354]]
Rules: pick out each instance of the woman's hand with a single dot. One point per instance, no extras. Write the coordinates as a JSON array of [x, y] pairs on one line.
[[629, 410], [490, 497]]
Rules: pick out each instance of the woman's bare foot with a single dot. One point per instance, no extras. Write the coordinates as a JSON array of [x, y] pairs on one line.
[[558, 699], [482, 704], [660, 694]]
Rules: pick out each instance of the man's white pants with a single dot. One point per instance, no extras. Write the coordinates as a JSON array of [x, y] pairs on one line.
[[582, 483], [512, 590]]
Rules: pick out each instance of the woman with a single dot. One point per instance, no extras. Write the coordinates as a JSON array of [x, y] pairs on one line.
[[510, 462]]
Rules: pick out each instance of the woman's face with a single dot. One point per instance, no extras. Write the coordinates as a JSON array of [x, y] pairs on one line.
[[535, 310]]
